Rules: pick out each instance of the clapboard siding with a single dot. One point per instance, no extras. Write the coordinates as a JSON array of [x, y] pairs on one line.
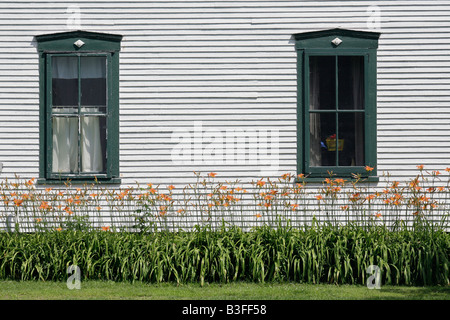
[[230, 65]]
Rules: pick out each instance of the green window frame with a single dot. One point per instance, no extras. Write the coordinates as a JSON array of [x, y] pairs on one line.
[[90, 109], [331, 53]]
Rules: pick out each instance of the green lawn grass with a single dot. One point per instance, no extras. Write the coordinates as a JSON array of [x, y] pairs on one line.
[[104, 290]]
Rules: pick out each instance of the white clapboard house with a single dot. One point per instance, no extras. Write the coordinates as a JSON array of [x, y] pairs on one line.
[[128, 93]]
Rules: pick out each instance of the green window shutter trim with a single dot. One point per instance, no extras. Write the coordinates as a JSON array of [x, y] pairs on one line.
[[94, 43], [352, 43]]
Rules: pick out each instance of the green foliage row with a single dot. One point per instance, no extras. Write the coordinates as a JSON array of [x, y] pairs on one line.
[[317, 254]]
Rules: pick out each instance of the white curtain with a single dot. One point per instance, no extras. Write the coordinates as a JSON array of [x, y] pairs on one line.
[[65, 144], [91, 147], [66, 129], [358, 103], [314, 121]]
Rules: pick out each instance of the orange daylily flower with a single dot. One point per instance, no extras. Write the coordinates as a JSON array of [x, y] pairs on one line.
[[299, 185], [260, 183], [165, 197], [420, 167], [339, 181], [230, 198], [285, 176], [258, 215], [44, 205], [368, 169], [171, 187], [395, 184], [18, 202], [336, 189], [212, 174], [105, 228], [319, 197]]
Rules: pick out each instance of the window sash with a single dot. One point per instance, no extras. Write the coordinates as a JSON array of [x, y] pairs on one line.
[[321, 171], [81, 112]]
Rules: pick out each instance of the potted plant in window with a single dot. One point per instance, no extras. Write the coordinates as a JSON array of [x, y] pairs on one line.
[[331, 143]]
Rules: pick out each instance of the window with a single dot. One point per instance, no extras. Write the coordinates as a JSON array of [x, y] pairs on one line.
[[79, 106], [336, 102]]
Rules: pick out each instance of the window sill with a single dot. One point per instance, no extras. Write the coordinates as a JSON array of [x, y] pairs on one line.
[[316, 180], [42, 181]]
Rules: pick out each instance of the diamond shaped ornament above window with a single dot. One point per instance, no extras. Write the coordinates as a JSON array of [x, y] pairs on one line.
[[79, 43], [336, 41]]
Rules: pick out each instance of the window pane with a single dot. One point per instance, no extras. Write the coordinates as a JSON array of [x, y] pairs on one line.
[[65, 84], [65, 145], [93, 144], [93, 83], [322, 128], [351, 82], [322, 83], [351, 130]]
